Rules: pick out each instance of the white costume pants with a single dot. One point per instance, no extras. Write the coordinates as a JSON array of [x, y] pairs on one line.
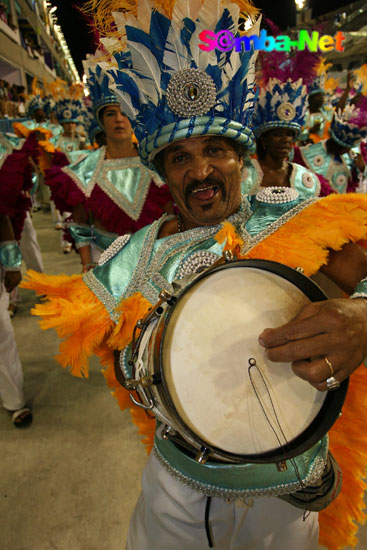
[[11, 375], [170, 516], [29, 247]]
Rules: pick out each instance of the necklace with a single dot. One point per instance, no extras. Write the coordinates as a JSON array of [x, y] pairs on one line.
[[180, 224]]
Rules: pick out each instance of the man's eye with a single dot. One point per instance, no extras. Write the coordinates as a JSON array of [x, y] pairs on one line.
[[215, 150], [179, 158]]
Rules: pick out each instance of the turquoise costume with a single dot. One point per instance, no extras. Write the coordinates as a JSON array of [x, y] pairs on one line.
[[301, 179], [122, 193], [55, 129], [65, 144], [337, 172], [323, 116], [9, 142], [147, 264]]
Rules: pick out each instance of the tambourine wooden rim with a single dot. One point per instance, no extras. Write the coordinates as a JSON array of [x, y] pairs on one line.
[[330, 410]]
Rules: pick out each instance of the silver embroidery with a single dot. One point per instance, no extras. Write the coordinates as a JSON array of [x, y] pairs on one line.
[[132, 209], [196, 262], [314, 474], [102, 294], [114, 248]]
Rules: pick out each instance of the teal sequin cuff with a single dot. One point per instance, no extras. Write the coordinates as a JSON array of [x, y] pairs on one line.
[[360, 290], [81, 234], [84, 235], [10, 256]]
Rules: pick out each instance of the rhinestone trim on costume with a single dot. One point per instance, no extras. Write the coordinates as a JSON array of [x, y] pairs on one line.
[[131, 209], [277, 195], [115, 247], [196, 262], [315, 474], [191, 92], [102, 294]]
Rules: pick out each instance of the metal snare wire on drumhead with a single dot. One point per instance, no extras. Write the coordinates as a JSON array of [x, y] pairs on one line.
[[253, 364]]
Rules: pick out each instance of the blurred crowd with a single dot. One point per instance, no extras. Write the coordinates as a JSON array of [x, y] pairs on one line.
[[12, 100]]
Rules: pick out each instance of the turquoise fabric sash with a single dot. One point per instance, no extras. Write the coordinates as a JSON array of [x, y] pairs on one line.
[[10, 255]]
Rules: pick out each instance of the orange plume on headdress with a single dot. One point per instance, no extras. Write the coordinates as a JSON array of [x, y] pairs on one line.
[[331, 84], [322, 67], [36, 88], [102, 11], [361, 77]]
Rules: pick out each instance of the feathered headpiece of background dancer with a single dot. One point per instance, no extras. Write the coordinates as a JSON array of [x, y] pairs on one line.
[[68, 105], [318, 85], [91, 124], [283, 80], [350, 126], [35, 100], [170, 88], [98, 83], [361, 80]]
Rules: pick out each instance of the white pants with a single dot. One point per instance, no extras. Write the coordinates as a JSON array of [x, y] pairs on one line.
[[170, 516], [55, 214], [11, 375], [29, 247]]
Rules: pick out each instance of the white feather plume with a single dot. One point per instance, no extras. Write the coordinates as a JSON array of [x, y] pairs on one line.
[[206, 20], [144, 14], [146, 64], [175, 56], [111, 44], [124, 100], [209, 14], [185, 8], [120, 22]]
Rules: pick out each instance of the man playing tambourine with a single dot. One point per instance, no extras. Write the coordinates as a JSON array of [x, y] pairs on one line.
[[191, 112]]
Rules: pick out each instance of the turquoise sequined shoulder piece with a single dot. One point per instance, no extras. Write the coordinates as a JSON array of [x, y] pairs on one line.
[[110, 280], [85, 170]]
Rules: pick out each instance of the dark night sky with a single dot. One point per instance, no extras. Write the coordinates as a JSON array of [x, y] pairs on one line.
[[80, 38]]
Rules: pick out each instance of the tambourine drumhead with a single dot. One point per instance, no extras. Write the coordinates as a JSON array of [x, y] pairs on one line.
[[209, 338]]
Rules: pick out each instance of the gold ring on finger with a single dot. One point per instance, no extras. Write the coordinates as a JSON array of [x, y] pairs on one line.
[[329, 365]]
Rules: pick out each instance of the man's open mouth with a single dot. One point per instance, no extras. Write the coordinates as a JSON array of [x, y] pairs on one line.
[[205, 192]]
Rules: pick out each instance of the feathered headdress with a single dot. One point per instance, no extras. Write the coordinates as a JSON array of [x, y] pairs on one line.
[[91, 124], [318, 85], [283, 80], [98, 83], [35, 100], [350, 126], [69, 110], [361, 80], [170, 88]]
